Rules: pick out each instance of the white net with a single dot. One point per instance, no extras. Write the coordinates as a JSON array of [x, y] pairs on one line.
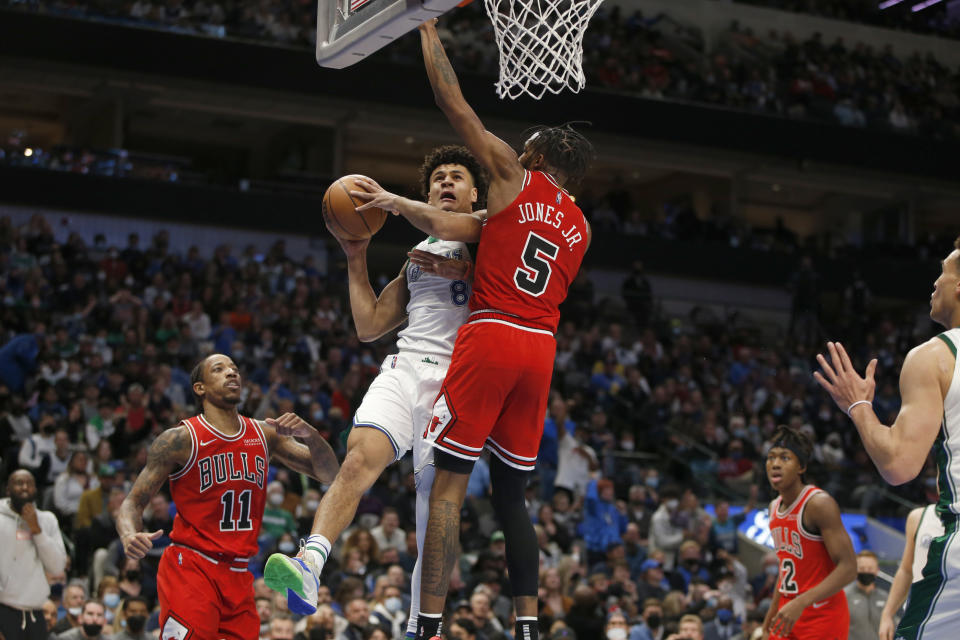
[[541, 44]]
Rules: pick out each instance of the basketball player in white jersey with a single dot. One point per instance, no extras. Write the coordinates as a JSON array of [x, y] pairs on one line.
[[431, 292], [929, 419], [923, 526]]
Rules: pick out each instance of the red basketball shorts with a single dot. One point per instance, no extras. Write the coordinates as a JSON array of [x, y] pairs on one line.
[[828, 622], [495, 394], [201, 599]]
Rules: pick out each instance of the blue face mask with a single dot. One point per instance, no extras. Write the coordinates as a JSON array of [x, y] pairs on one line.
[[652, 482], [111, 600], [724, 616]]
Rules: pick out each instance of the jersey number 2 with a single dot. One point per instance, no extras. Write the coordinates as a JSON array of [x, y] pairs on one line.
[[536, 253], [788, 577], [242, 523]]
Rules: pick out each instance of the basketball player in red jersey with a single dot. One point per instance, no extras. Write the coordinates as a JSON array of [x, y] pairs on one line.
[[532, 240], [216, 463], [815, 552]]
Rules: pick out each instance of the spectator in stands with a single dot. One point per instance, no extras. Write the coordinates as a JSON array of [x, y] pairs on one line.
[[576, 461], [547, 457], [764, 583], [617, 627], [603, 524], [388, 533], [71, 484], [650, 625], [585, 617], [132, 620], [94, 501], [92, 622], [666, 532], [691, 628], [638, 295], [723, 531], [281, 627], [357, 614], [32, 548], [462, 629], [556, 603], [74, 595], [865, 599], [388, 611], [652, 584]]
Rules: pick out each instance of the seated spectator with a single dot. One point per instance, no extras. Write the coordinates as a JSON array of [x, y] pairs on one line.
[[388, 533], [281, 627], [74, 595], [70, 486], [652, 584], [650, 625], [691, 628], [617, 627], [357, 614], [131, 623], [93, 501], [90, 623], [554, 601]]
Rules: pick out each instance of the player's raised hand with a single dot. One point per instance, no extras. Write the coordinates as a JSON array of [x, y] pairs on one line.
[[842, 381], [374, 195], [290, 424], [449, 268], [352, 247], [136, 545]]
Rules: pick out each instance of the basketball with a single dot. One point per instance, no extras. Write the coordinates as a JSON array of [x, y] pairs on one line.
[[340, 214]]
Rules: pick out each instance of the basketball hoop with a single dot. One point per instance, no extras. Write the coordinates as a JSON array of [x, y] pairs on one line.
[[541, 44]]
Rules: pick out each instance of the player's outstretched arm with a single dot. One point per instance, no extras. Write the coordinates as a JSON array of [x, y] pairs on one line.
[[493, 153], [900, 451], [902, 579], [168, 452], [372, 316], [823, 513], [313, 456], [445, 225]]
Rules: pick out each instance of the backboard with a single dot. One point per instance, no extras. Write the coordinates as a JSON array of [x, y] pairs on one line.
[[350, 30]]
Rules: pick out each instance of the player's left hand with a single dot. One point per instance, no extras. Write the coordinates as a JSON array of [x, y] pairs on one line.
[[842, 381], [290, 424], [449, 268], [374, 195], [785, 619]]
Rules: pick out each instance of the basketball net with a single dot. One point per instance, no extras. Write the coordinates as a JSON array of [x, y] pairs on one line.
[[541, 44]]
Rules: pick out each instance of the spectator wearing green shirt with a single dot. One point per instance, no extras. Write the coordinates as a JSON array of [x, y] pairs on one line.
[[276, 519]]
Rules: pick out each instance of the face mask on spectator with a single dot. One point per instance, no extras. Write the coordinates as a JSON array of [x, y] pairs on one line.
[[393, 604], [318, 415], [276, 498], [866, 579], [92, 630], [617, 633], [724, 616], [311, 505], [772, 569], [286, 547], [652, 481], [133, 575], [136, 623], [672, 504], [75, 611], [653, 621], [627, 445], [111, 600]]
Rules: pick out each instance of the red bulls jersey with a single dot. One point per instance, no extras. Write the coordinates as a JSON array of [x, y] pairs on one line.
[[529, 254], [804, 560], [220, 493]]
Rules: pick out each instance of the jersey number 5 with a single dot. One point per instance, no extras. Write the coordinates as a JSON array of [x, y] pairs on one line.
[[788, 577], [242, 523], [537, 253]]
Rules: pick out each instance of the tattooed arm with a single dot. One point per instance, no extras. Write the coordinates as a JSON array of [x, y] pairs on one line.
[[313, 456], [494, 154], [168, 452]]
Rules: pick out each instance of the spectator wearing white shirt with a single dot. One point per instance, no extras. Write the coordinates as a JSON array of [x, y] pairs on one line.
[[71, 484], [388, 533], [575, 462]]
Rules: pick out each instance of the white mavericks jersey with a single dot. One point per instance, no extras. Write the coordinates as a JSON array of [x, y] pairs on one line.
[[946, 449], [928, 528], [437, 306]]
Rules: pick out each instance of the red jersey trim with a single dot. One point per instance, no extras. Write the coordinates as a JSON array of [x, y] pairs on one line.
[[799, 499], [263, 437], [194, 450], [221, 434]]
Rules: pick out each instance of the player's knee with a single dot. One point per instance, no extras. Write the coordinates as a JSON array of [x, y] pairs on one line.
[[359, 470]]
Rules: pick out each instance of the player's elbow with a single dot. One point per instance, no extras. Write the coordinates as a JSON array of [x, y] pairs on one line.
[[899, 472]]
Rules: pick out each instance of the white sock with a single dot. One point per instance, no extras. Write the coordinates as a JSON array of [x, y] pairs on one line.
[[315, 553]]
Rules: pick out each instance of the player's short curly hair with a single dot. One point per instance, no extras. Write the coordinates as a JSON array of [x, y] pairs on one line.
[[564, 149], [454, 154]]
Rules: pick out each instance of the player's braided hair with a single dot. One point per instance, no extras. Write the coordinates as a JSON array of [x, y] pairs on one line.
[[197, 375], [454, 154], [564, 149]]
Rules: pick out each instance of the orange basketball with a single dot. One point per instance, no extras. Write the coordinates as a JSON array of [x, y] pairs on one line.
[[340, 214]]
